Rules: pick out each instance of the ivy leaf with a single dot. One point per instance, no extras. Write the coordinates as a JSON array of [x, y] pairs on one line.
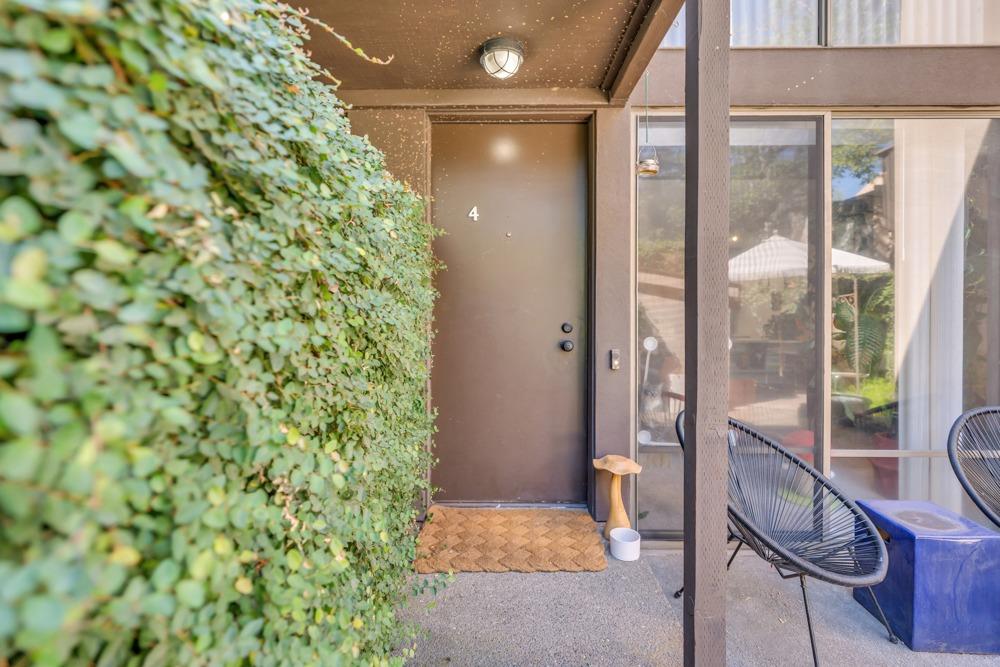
[[29, 264], [8, 621], [28, 294], [76, 226], [13, 320], [158, 82], [165, 574], [38, 94], [114, 253], [124, 149], [124, 554], [20, 459], [17, 64], [81, 128], [19, 413], [56, 40], [191, 593], [158, 604], [18, 218], [134, 57], [42, 614]]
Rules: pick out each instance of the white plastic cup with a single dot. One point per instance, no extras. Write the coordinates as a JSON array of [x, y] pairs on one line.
[[625, 544]]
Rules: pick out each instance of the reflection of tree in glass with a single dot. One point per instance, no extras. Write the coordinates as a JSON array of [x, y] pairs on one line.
[[863, 221], [661, 216], [861, 161], [863, 224], [771, 193], [876, 305]]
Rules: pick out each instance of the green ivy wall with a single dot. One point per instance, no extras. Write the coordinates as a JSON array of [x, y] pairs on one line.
[[214, 317]]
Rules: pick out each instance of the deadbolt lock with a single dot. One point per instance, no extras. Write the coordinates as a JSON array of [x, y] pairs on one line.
[[567, 327], [567, 346]]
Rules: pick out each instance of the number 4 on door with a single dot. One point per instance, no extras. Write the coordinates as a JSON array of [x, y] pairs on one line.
[[474, 213]]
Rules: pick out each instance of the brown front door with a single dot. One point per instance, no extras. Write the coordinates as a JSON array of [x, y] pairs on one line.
[[512, 202]]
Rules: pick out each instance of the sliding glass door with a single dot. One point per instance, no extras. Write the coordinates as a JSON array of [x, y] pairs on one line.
[[914, 306]]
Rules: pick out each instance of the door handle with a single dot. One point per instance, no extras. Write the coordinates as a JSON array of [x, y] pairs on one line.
[[567, 346]]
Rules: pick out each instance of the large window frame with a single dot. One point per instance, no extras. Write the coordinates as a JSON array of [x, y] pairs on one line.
[[824, 452]]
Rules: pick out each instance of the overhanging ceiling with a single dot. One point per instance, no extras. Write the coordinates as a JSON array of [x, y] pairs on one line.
[[590, 46]]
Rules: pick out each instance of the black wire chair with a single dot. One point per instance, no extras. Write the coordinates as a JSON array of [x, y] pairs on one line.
[[797, 520], [974, 450]]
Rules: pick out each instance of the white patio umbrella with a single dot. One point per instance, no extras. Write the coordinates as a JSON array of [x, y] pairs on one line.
[[780, 257]]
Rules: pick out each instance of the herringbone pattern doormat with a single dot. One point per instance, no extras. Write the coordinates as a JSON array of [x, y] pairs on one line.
[[509, 540]]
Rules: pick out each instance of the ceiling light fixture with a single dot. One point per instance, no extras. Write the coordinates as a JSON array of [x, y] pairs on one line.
[[501, 57]]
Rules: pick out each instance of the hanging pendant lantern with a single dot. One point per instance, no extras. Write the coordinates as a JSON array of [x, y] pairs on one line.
[[647, 162]]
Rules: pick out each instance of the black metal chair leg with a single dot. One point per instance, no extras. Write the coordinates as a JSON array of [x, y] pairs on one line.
[[892, 635], [733, 557], [680, 591], [812, 638]]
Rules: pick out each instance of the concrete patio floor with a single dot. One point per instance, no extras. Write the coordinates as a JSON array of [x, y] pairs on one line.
[[627, 615]]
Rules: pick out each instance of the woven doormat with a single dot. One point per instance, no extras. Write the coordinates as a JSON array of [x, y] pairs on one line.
[[509, 540]]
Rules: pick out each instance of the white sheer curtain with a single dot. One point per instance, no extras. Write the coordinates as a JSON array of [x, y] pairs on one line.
[[865, 22], [869, 22], [858, 22], [932, 161], [762, 23], [775, 22], [949, 21]]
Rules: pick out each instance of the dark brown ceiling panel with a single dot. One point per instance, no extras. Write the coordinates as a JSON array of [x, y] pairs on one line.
[[656, 20], [569, 44]]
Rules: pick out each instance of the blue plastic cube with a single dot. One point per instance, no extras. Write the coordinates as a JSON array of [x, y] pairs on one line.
[[942, 592]]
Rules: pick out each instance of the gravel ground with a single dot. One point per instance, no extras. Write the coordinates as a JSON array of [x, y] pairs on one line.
[[626, 615]]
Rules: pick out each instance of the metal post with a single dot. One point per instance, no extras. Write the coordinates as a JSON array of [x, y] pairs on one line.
[[993, 279], [821, 235], [706, 307]]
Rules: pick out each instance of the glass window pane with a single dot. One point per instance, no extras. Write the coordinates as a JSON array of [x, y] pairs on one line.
[[906, 478], [660, 327], [915, 22], [774, 200], [761, 23], [916, 260]]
